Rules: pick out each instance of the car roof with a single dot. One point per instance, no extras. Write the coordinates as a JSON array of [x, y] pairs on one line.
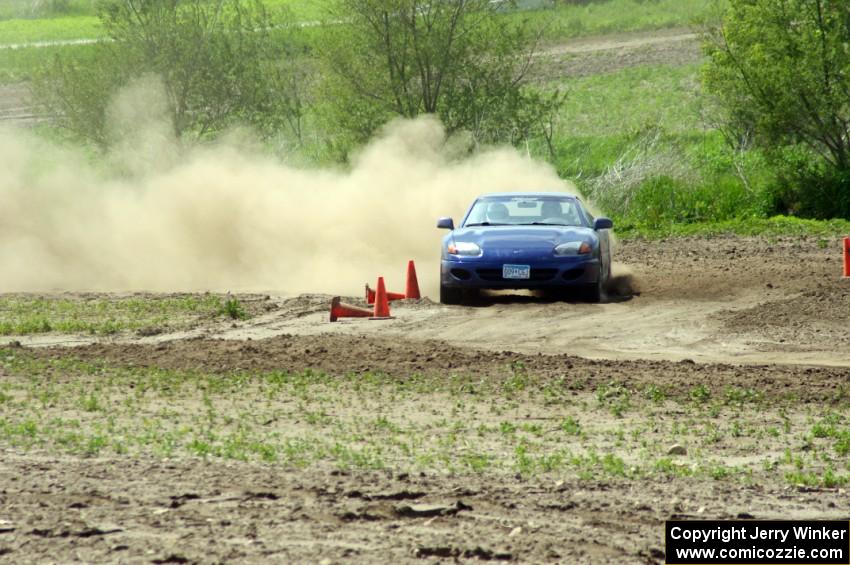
[[527, 195]]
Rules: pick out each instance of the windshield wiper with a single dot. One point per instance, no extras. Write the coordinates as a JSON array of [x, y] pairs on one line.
[[544, 224], [484, 224]]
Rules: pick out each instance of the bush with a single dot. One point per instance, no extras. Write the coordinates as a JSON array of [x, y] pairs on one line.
[[462, 61], [807, 187], [219, 64], [779, 71]]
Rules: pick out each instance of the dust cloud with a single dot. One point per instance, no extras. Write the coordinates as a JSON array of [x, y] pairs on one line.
[[623, 282], [230, 218]]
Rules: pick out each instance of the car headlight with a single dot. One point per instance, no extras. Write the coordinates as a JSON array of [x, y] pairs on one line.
[[464, 248], [573, 248]]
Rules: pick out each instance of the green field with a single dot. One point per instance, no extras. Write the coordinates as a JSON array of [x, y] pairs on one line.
[[559, 23], [618, 16], [633, 99], [64, 28], [59, 9]]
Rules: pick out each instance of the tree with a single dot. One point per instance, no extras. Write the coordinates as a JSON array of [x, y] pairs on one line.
[[781, 71], [459, 59], [221, 62]]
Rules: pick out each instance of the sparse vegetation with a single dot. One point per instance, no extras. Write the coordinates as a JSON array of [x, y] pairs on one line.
[[309, 418], [24, 315]]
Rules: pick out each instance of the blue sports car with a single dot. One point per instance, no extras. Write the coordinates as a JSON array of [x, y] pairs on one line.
[[538, 240]]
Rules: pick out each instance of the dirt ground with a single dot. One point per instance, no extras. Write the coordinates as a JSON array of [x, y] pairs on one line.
[[611, 53], [190, 511], [768, 316]]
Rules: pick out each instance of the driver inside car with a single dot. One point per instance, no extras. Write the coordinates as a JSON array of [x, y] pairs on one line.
[[497, 213], [550, 211]]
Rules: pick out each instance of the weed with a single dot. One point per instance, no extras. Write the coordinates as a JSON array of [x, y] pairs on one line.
[[94, 445], [477, 462], [507, 428], [654, 393], [534, 429], [570, 426], [90, 403], [518, 379], [233, 309], [615, 396], [700, 394], [739, 395], [523, 462], [613, 465], [828, 479], [718, 472]]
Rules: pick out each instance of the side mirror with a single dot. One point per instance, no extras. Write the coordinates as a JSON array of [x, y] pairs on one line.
[[446, 224], [602, 224]]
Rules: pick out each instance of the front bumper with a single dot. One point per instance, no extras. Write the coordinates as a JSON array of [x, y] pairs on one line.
[[478, 273]]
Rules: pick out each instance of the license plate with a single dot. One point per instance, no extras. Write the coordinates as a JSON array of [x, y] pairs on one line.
[[516, 271]]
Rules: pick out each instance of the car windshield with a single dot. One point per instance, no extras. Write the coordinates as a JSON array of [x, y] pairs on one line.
[[525, 211]]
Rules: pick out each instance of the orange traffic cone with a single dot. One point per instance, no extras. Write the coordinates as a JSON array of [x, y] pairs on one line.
[[370, 295], [342, 310], [411, 289], [382, 303], [847, 257]]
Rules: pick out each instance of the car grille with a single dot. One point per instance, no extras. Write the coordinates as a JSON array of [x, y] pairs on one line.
[[495, 275]]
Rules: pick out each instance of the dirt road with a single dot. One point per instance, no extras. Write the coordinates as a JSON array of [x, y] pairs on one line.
[[720, 300]]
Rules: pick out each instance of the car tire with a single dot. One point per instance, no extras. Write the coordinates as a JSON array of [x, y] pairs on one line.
[[450, 295], [595, 292]]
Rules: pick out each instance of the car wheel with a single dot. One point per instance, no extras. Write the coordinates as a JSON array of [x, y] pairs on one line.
[[450, 295], [595, 292]]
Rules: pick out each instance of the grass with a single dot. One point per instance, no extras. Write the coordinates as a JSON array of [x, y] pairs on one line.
[[10, 9], [83, 23], [51, 29], [636, 144], [58, 9], [19, 65], [233, 309], [374, 421], [69, 28], [632, 100], [19, 23], [776, 226], [23, 315], [616, 16]]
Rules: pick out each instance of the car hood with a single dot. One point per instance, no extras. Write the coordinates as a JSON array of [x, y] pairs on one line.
[[549, 236]]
